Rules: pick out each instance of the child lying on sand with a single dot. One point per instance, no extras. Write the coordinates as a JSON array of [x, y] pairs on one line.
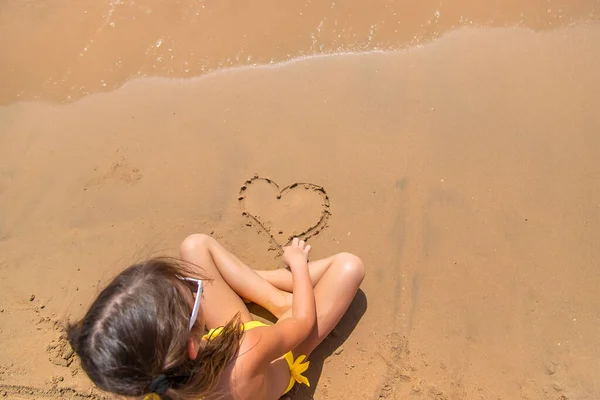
[[145, 333]]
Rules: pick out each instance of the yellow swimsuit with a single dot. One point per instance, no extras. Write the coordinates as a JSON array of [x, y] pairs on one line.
[[297, 367]]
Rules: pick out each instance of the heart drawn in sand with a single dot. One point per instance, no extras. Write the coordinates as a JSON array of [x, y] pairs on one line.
[[299, 210]]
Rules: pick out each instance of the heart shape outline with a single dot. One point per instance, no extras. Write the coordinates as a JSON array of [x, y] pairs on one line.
[[305, 234]]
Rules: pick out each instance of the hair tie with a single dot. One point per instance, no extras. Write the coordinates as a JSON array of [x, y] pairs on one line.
[[160, 384]]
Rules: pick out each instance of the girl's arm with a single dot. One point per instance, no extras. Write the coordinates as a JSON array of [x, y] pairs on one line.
[[288, 333], [304, 313]]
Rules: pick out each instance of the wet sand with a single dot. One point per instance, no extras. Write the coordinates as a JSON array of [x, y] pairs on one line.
[[461, 166]]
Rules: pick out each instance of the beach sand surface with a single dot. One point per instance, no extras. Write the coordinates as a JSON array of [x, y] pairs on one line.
[[453, 146]]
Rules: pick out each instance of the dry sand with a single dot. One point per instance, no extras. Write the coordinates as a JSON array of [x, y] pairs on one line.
[[457, 145]]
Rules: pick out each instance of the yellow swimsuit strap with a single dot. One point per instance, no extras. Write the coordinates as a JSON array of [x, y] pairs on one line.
[[253, 324], [213, 333]]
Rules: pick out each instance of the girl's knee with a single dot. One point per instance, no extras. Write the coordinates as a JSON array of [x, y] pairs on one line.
[[194, 243], [351, 266]]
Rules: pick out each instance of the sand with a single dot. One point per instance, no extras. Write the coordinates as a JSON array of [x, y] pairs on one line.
[[453, 146]]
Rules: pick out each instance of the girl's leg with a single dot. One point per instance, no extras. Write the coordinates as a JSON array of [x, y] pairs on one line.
[[281, 278], [230, 279], [338, 278], [219, 302], [333, 294]]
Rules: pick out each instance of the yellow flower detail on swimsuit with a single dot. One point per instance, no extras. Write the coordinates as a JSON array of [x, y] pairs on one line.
[[298, 368]]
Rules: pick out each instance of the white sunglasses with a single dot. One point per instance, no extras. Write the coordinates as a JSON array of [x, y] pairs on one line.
[[198, 292]]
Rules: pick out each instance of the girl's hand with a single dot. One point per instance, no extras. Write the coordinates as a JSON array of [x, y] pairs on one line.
[[296, 254]]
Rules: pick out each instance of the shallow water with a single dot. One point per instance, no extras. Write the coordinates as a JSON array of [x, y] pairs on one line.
[[60, 50], [461, 164]]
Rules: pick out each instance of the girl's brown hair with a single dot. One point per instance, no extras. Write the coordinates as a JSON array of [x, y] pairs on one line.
[[138, 329]]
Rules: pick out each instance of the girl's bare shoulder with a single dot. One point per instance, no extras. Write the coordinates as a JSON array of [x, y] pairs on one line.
[[250, 374]]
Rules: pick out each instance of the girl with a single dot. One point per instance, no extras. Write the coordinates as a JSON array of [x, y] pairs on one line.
[[144, 334]]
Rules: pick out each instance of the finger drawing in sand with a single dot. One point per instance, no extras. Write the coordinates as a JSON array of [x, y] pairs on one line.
[[304, 208]]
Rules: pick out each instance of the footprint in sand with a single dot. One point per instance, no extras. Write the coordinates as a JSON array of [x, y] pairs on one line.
[[118, 172], [298, 210]]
